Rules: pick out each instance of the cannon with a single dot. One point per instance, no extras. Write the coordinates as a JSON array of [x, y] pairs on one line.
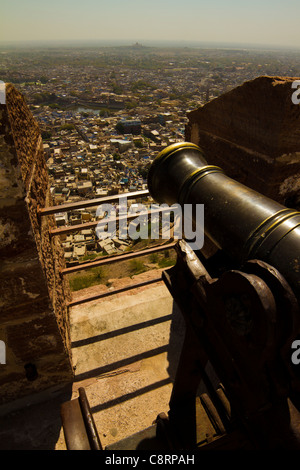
[[237, 384], [241, 306], [242, 222]]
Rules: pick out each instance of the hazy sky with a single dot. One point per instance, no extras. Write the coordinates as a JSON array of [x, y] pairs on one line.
[[270, 22]]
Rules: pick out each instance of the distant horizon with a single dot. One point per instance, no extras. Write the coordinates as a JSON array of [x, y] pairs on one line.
[[268, 24], [144, 43]]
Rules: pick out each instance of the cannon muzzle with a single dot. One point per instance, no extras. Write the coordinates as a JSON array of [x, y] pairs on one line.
[[242, 222]]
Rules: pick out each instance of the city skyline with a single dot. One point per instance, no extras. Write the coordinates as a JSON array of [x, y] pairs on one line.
[[259, 23]]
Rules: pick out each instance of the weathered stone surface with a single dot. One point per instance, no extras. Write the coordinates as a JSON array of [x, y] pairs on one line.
[[26, 311], [253, 133], [34, 339], [24, 287], [7, 379], [16, 234], [25, 132], [10, 176], [33, 310]]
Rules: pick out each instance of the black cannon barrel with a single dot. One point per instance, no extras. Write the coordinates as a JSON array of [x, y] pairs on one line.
[[242, 222]]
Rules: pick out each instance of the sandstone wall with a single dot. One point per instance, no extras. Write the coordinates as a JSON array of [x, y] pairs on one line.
[[34, 315], [253, 133]]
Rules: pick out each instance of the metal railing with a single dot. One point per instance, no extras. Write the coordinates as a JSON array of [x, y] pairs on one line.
[[116, 258], [90, 203], [93, 224], [52, 210]]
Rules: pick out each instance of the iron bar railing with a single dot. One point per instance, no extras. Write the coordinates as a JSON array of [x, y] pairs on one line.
[[116, 258], [90, 203]]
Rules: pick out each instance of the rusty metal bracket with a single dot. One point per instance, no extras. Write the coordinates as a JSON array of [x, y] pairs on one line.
[[78, 424], [242, 323]]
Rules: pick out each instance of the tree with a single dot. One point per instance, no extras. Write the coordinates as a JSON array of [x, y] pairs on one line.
[[116, 88], [120, 127], [43, 79], [104, 112], [67, 127], [46, 135], [131, 104]]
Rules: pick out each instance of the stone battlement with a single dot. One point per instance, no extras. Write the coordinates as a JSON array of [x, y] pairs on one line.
[[253, 133], [34, 318]]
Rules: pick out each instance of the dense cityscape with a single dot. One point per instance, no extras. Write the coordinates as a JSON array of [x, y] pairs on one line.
[[150, 228], [105, 113]]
